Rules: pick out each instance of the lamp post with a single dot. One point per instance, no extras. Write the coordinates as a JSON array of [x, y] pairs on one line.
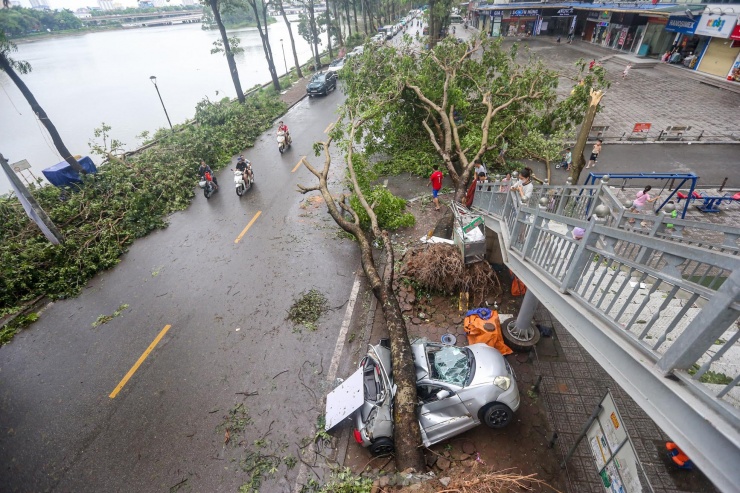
[[154, 81], [286, 63]]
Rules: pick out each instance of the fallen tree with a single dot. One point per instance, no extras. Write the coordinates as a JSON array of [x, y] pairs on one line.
[[407, 435]]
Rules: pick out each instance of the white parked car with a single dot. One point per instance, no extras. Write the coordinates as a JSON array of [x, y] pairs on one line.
[[336, 65]]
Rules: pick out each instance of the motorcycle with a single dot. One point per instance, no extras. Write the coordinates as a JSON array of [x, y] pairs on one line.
[[208, 186], [284, 141], [241, 185]]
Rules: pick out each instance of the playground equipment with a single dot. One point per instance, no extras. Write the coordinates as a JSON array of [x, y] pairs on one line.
[[593, 178]]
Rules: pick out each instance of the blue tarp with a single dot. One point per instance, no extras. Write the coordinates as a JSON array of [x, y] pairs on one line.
[[62, 174]]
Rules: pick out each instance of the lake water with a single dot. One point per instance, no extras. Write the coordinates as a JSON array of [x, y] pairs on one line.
[[82, 81]]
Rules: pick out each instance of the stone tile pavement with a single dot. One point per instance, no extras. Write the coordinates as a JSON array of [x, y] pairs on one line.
[[573, 383], [662, 95]]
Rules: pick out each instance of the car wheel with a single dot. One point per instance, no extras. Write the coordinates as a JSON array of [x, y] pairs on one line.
[[382, 446], [497, 415], [522, 340]]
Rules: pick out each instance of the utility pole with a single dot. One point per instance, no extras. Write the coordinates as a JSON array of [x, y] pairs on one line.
[[32, 208]]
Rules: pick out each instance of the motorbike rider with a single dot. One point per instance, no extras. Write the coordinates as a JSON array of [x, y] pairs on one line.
[[203, 169], [284, 128], [245, 166]]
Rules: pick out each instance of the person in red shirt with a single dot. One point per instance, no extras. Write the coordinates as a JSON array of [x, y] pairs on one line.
[[436, 182]]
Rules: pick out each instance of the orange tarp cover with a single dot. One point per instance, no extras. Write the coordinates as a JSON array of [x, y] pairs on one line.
[[486, 331]]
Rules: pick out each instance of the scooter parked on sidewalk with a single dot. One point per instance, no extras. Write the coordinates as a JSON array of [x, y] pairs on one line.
[[208, 186], [284, 141], [240, 184]]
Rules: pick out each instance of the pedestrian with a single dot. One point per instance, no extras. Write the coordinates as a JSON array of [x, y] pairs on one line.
[[523, 187], [480, 167], [505, 183], [470, 195], [435, 180], [594, 154], [591, 65], [571, 33], [557, 40], [626, 71], [641, 199]]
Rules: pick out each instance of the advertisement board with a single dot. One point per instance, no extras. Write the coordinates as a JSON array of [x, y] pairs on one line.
[[716, 25], [681, 24]]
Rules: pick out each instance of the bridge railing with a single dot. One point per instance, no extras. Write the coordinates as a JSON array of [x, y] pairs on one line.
[[670, 294]]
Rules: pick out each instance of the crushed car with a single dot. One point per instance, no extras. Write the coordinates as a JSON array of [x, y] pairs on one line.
[[458, 389]]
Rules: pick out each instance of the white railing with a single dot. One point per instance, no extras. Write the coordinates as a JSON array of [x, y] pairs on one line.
[[671, 286]]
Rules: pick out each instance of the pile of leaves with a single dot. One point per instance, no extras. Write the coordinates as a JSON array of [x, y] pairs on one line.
[[126, 199], [308, 308], [439, 267]]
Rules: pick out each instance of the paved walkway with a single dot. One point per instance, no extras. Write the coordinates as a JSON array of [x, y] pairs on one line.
[[663, 95]]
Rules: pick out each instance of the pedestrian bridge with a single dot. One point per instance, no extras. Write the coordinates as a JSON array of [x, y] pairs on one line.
[[656, 303]]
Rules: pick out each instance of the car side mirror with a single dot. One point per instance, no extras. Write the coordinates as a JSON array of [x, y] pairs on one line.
[[443, 394]]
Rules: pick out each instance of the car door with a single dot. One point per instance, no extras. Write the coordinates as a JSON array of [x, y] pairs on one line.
[[441, 415], [333, 80]]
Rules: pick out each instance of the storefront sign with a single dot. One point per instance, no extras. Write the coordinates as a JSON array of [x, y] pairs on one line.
[[735, 32], [525, 13], [565, 12], [681, 24], [642, 128], [592, 16], [497, 13], [602, 24], [718, 26]]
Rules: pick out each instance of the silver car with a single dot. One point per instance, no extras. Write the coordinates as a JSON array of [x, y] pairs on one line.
[[458, 388]]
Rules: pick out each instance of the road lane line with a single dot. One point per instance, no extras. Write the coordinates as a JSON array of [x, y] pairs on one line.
[[139, 361], [244, 231], [298, 165], [334, 365], [328, 129]]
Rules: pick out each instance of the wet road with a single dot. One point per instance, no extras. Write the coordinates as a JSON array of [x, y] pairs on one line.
[[225, 303]]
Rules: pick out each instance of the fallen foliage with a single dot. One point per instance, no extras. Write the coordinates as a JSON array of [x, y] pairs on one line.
[[308, 308], [477, 482], [440, 267]]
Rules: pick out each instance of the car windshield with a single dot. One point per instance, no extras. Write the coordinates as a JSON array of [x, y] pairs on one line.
[[450, 364], [318, 78], [335, 63]]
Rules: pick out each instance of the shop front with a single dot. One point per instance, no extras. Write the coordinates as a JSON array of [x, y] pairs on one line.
[[687, 44], [721, 54], [521, 22], [558, 22], [597, 26], [734, 74], [496, 17], [655, 39]]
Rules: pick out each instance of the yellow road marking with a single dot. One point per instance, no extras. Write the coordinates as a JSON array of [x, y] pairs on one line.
[[328, 129], [297, 165], [139, 362], [244, 231]]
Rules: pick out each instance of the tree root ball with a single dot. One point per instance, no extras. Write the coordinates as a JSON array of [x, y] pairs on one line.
[[440, 267]]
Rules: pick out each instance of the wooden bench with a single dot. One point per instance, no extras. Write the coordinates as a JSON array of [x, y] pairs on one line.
[[674, 132], [597, 131]]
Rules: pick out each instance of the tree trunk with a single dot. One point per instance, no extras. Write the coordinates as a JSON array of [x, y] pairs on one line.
[[227, 50], [314, 35], [338, 20], [265, 37], [41, 114], [365, 14], [407, 435], [354, 10], [328, 32], [588, 120], [348, 18], [299, 73]]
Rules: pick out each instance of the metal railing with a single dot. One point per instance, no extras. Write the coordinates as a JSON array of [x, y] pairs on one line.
[[669, 287]]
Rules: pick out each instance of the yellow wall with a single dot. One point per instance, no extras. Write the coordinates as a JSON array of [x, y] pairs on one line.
[[718, 58]]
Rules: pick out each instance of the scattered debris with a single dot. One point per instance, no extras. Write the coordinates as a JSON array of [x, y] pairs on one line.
[[104, 319], [308, 308]]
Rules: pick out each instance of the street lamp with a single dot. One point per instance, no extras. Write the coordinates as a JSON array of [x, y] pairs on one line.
[[286, 63], [154, 81]]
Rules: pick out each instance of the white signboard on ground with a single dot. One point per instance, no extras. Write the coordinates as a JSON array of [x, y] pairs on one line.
[[615, 457], [344, 400]]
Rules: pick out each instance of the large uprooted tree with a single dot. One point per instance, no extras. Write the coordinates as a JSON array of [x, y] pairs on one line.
[[349, 217], [460, 102]]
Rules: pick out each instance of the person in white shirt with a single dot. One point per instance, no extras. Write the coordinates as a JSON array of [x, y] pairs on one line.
[[523, 187]]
